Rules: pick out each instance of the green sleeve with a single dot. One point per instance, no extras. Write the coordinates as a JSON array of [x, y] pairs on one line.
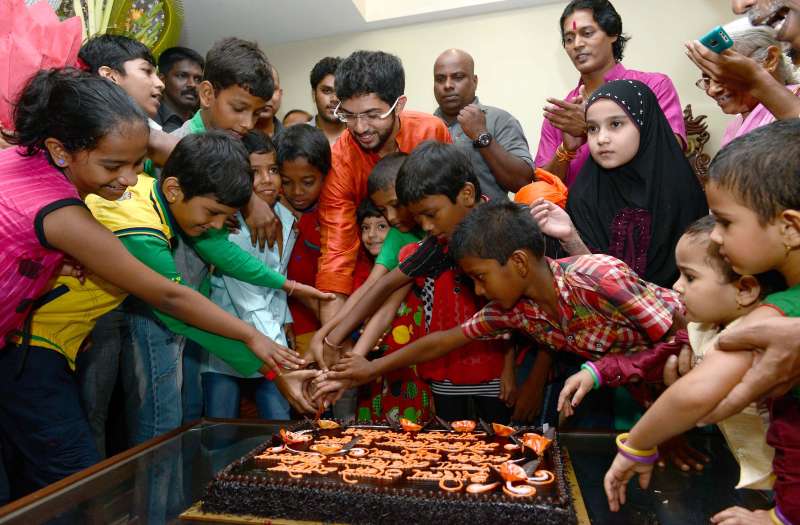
[[394, 241], [155, 253], [229, 259], [787, 301]]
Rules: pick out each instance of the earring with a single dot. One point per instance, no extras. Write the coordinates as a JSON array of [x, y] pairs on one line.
[[60, 162], [787, 248]]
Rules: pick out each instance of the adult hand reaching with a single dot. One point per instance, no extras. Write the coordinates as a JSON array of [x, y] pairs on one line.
[[773, 373], [729, 67]]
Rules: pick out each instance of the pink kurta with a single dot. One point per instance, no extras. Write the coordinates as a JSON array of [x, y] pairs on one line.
[[661, 85], [30, 188], [760, 116]]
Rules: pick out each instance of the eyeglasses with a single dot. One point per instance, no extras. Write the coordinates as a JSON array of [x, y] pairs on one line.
[[703, 83], [370, 116]]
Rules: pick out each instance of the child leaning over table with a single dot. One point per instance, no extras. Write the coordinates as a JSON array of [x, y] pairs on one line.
[[264, 308], [754, 193], [590, 305]]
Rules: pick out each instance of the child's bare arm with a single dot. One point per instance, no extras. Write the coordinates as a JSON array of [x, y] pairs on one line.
[[316, 345], [429, 347], [380, 322], [369, 303], [684, 404]]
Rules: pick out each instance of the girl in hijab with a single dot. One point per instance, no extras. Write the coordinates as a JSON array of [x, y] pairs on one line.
[[636, 194]]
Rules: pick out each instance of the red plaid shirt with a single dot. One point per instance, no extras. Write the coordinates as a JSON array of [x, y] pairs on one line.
[[603, 307]]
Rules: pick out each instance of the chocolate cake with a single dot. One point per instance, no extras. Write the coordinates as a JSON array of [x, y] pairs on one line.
[[374, 474]]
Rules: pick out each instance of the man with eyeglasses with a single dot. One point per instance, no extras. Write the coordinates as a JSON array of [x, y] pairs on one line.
[[369, 86], [492, 138]]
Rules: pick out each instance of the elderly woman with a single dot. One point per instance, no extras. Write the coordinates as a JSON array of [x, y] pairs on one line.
[[760, 44]]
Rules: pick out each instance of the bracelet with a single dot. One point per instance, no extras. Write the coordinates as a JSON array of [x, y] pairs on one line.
[[648, 460], [649, 456], [335, 347], [589, 367], [777, 516], [564, 155], [291, 288]]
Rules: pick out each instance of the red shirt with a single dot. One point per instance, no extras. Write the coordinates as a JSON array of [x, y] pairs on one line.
[[454, 302], [603, 307], [303, 268], [346, 186]]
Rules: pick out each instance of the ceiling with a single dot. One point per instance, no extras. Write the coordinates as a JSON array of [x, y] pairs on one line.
[[274, 22]]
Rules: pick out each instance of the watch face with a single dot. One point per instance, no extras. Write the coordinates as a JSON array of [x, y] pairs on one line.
[[483, 140]]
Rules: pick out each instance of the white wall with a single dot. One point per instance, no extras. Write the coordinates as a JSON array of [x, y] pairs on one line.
[[518, 56]]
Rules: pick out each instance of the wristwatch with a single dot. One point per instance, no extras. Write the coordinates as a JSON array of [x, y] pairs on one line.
[[483, 140]]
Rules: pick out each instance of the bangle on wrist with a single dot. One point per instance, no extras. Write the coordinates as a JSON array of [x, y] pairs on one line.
[[328, 343], [649, 456], [292, 286], [564, 155], [589, 367]]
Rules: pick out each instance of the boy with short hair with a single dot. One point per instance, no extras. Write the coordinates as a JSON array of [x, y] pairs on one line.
[[437, 184], [128, 63], [588, 305], [264, 308]]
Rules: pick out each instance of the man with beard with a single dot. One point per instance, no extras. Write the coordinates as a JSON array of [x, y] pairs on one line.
[[744, 73], [492, 138], [591, 33], [181, 70], [268, 121], [323, 89], [369, 86]]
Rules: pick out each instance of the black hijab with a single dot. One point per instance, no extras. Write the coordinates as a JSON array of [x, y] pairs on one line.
[[638, 211]]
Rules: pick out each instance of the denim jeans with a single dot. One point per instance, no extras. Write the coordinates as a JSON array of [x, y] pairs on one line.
[[157, 366], [192, 388], [222, 394], [98, 370]]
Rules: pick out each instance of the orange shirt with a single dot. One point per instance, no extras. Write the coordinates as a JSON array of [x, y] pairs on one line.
[[346, 186]]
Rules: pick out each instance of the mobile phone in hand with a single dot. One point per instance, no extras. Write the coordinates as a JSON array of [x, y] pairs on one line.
[[717, 40]]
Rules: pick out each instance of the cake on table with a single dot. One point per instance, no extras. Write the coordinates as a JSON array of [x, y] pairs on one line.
[[365, 474]]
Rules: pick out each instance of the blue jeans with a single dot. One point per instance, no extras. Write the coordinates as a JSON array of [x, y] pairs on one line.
[[222, 394], [44, 434], [157, 363], [192, 389]]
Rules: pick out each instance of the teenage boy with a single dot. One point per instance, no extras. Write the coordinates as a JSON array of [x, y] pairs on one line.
[[130, 64], [181, 70], [237, 85], [588, 305], [369, 86], [491, 137], [323, 91], [591, 33]]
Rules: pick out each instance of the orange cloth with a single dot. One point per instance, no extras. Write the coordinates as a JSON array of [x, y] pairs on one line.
[[546, 185], [346, 186]]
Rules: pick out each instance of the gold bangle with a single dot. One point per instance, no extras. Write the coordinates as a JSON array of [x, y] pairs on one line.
[[563, 155], [291, 288], [622, 438]]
